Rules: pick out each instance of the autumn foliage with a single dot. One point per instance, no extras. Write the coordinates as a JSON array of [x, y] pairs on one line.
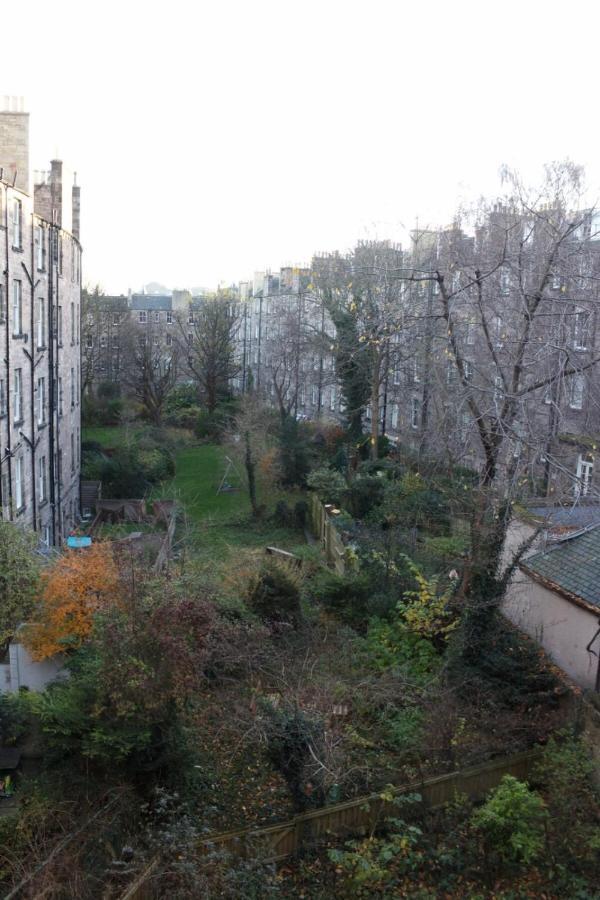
[[79, 584]]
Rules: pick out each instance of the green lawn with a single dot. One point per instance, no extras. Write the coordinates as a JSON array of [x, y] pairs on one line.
[[198, 474], [216, 523], [108, 436]]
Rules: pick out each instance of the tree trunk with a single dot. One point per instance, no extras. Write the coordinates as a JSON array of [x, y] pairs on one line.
[[250, 472]]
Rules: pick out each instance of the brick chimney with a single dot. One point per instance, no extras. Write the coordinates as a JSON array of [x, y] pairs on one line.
[[14, 142]]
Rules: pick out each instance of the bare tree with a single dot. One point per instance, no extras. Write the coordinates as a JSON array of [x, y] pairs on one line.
[[511, 302], [207, 339], [150, 367]]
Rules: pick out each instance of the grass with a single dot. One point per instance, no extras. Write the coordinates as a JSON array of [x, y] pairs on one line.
[[217, 523], [108, 435]]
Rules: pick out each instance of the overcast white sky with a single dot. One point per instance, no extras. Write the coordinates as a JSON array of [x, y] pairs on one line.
[[213, 139]]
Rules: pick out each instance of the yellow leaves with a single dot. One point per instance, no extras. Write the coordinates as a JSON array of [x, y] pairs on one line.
[[79, 584]]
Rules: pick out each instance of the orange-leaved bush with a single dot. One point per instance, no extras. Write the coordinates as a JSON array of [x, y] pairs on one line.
[[75, 587]]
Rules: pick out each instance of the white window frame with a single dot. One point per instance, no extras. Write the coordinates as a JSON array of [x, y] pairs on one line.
[[17, 308], [18, 395], [41, 323], [576, 391], [142, 317], [415, 412], [42, 484], [17, 224], [585, 473], [19, 492], [41, 401], [580, 321], [169, 317], [394, 417]]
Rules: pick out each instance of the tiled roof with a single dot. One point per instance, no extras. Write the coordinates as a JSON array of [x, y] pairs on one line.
[[573, 565], [579, 516], [150, 302]]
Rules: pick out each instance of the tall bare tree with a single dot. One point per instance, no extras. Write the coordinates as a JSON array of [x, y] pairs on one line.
[[150, 367], [207, 341]]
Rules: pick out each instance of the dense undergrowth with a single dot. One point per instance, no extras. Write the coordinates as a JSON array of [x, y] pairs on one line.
[[242, 689]]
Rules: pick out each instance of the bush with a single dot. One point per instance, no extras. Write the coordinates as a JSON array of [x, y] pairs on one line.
[[293, 453], [512, 822], [363, 494], [328, 484], [349, 598], [274, 594]]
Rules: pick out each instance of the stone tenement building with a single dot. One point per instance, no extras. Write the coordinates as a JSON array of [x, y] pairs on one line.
[[39, 334], [157, 318], [428, 403]]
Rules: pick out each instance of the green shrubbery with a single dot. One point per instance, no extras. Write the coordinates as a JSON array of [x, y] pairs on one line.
[[129, 470], [274, 593]]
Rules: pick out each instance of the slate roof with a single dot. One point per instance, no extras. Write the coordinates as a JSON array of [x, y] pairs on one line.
[[573, 565], [579, 516], [150, 301]]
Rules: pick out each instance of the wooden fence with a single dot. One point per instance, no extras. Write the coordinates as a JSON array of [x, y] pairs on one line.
[[323, 527], [354, 817]]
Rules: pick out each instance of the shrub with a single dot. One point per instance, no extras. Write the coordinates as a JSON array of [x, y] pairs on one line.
[[274, 594], [349, 598], [19, 571], [512, 822], [293, 453], [328, 484], [363, 494], [290, 734]]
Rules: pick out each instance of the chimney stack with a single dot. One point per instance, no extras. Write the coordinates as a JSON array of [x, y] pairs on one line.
[[14, 142]]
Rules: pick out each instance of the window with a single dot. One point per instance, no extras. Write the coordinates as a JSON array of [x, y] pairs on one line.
[[41, 400], [302, 395], [42, 489], [59, 325], [18, 396], [415, 370], [72, 387], [368, 413], [103, 341], [580, 321], [46, 535], [556, 282], [17, 308], [397, 375], [314, 395], [1, 304], [497, 331], [450, 372], [2, 397], [19, 487], [115, 319], [72, 451], [576, 393], [157, 316], [72, 324], [470, 334], [169, 340], [190, 337], [60, 396], [498, 389], [41, 323], [142, 316], [17, 225], [169, 317], [332, 398], [505, 281], [394, 415], [89, 341], [468, 370], [156, 340], [585, 471], [5, 494], [191, 319], [40, 246], [415, 412], [595, 227]]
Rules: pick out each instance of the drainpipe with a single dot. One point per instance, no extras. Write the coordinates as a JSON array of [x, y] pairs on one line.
[[52, 386], [7, 355]]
